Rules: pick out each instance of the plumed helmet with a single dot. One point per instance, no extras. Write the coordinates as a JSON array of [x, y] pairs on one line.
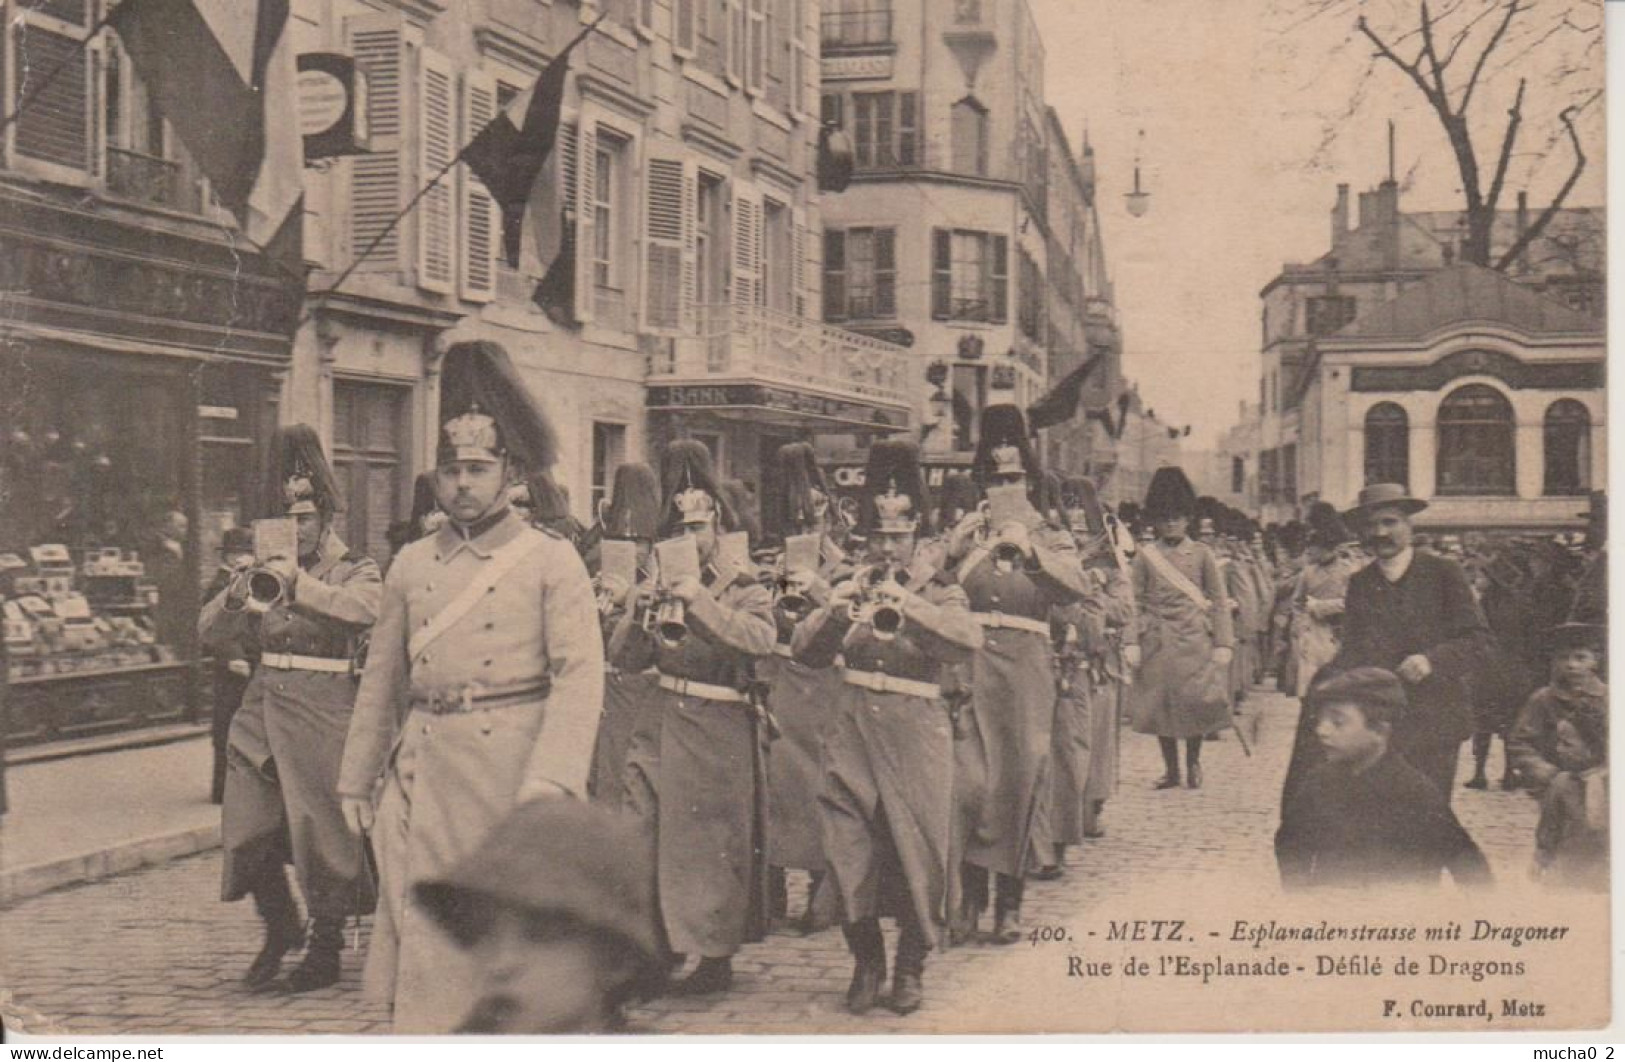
[[1170, 494], [487, 411], [894, 493], [633, 507], [801, 496], [304, 481], [691, 492], [1326, 527], [1003, 449]]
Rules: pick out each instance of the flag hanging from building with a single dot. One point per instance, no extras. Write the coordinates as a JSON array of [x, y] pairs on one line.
[[223, 73], [1061, 403]]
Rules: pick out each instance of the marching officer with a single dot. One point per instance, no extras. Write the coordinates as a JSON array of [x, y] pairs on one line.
[[1186, 633], [282, 769], [886, 804], [696, 765], [482, 688], [1013, 575]]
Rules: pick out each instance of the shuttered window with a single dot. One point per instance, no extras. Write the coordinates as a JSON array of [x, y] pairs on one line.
[[56, 127], [747, 248], [370, 461], [663, 244], [860, 274], [376, 178], [436, 219], [481, 218], [970, 276]]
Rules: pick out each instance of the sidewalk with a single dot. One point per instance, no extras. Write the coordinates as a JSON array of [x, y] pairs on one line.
[[87, 817]]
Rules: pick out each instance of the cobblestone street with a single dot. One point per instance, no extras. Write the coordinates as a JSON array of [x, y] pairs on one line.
[[155, 952]]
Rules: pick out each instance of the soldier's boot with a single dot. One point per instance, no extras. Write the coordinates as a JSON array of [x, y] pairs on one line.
[[1481, 757], [813, 918], [1170, 764], [321, 966], [907, 992], [964, 924], [868, 949], [1007, 910], [284, 931], [712, 975]]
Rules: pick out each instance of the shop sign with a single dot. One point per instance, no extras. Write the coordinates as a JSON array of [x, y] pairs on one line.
[[857, 67], [332, 105], [735, 396], [850, 477], [217, 412]]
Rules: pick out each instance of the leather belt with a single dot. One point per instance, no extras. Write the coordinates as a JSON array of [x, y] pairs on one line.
[[295, 662], [871, 680], [702, 690], [472, 699], [1014, 623]]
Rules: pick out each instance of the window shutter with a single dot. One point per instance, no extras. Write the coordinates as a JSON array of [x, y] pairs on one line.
[[437, 129], [1000, 268], [885, 272], [907, 128], [376, 178], [800, 245], [663, 230], [834, 275], [482, 221], [747, 241], [683, 34], [55, 128], [942, 274], [688, 316], [586, 182]]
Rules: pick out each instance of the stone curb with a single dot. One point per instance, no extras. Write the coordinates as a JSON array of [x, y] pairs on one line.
[[20, 883]]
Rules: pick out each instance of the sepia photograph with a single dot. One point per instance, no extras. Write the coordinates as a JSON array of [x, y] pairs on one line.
[[868, 518]]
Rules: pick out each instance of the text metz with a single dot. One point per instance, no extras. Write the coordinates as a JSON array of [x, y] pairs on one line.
[[1146, 929]]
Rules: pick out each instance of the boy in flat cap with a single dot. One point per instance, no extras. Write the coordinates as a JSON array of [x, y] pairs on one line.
[[1366, 816], [1575, 691], [556, 909]]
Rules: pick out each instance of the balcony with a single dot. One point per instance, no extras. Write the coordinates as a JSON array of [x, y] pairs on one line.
[[865, 28], [765, 364], [147, 179]]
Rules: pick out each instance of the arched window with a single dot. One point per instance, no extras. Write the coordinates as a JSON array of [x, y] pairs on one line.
[[1475, 442], [1387, 445], [1568, 447], [969, 129]]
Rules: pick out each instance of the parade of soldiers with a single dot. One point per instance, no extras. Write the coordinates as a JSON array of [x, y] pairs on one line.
[[840, 711]]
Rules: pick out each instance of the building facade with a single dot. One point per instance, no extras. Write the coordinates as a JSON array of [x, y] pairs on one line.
[[1310, 311]]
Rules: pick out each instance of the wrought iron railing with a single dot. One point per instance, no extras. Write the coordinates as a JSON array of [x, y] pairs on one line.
[[754, 342], [151, 180], [858, 26]]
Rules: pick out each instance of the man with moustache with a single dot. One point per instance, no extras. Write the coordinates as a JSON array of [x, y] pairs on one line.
[[483, 685], [1412, 612]]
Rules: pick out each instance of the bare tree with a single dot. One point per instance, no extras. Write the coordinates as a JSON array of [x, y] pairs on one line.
[[1460, 53]]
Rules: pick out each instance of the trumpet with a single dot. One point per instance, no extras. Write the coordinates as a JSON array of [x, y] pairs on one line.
[[263, 590], [1004, 551], [879, 611], [790, 594], [667, 620]]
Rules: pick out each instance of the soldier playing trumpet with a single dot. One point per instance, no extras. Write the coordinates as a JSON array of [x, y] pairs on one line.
[[887, 795], [287, 738]]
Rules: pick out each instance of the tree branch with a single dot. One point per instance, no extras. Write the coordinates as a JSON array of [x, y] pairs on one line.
[[1412, 70], [1465, 34], [1533, 232], [1494, 42], [1514, 119], [1430, 53]]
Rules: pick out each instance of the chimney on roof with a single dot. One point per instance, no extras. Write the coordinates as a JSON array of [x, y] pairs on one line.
[[1340, 216]]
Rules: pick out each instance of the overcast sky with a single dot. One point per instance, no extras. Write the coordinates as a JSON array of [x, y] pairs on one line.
[[1234, 114]]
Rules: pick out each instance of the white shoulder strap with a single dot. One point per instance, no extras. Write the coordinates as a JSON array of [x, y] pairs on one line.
[[503, 561], [1165, 568]]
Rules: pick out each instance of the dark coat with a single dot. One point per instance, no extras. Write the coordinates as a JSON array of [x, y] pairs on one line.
[[1431, 611], [1385, 825]]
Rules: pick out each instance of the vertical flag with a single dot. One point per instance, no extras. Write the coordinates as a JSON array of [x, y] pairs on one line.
[[223, 73], [508, 155]]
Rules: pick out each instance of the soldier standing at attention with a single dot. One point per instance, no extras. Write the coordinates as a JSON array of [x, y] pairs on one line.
[[282, 760], [483, 686]]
